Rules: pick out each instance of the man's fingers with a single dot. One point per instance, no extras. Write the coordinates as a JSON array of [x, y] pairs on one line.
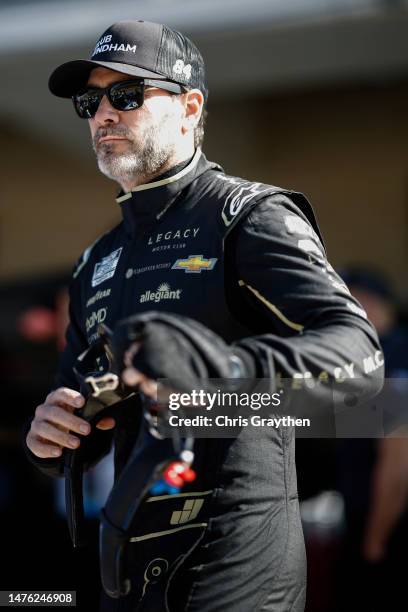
[[42, 449], [132, 377], [51, 433], [60, 416], [65, 396], [54, 422], [106, 423], [149, 388]]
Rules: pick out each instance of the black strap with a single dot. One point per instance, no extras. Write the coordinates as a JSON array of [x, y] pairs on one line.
[[103, 393]]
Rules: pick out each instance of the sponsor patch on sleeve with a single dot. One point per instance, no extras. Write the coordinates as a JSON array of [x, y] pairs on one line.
[[240, 195]]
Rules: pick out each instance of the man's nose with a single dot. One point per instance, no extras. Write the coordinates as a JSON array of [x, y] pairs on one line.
[[106, 113]]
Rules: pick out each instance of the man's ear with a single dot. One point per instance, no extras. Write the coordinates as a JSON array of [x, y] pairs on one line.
[[193, 104]]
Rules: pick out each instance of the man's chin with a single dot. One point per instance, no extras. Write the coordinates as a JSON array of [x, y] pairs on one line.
[[118, 167]]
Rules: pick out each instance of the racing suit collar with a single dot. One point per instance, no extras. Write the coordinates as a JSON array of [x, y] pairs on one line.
[[146, 204]]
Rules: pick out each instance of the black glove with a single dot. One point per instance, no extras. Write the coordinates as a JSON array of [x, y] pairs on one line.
[[183, 351]]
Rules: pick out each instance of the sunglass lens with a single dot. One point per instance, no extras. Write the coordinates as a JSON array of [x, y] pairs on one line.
[[86, 103], [127, 96], [123, 96]]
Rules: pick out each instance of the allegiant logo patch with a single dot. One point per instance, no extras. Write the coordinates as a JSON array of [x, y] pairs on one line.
[[194, 264], [163, 292]]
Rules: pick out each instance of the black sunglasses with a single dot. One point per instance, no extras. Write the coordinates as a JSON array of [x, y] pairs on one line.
[[123, 95]]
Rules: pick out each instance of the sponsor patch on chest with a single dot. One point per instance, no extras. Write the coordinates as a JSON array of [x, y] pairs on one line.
[[106, 268], [194, 264], [163, 292], [184, 233]]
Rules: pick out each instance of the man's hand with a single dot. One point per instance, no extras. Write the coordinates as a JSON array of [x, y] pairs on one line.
[[161, 345], [54, 421]]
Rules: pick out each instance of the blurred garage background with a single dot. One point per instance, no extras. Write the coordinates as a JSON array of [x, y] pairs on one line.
[[308, 94]]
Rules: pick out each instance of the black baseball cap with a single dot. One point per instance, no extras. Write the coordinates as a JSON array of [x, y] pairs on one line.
[[139, 48]]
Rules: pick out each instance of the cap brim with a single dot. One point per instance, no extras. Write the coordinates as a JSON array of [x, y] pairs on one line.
[[70, 77]]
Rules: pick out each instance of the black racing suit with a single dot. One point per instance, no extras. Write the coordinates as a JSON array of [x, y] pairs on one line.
[[246, 260]]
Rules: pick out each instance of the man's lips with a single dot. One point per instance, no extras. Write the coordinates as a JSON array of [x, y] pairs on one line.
[[111, 138]]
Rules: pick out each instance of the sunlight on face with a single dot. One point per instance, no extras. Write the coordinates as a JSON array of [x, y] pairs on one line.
[[134, 146]]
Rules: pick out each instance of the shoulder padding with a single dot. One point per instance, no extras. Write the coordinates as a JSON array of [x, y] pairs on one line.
[[240, 196]]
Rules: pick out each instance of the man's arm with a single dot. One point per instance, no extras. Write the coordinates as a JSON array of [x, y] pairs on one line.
[[283, 283], [54, 424]]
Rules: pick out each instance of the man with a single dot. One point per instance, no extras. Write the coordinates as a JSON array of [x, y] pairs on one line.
[[232, 281]]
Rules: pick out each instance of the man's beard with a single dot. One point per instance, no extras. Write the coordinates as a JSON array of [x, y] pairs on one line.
[[142, 161]]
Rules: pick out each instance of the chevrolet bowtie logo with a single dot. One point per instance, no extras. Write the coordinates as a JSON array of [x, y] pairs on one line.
[[194, 263]]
